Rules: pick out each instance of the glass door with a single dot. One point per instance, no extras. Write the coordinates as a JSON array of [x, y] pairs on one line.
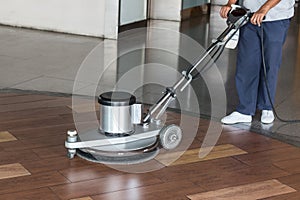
[[132, 11]]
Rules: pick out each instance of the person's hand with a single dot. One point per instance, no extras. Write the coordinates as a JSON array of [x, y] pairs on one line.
[[258, 17], [224, 11]]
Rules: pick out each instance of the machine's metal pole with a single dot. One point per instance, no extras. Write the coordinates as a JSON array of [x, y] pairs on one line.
[[162, 100], [164, 108]]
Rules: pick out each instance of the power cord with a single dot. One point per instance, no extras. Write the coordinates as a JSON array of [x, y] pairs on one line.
[[214, 57], [266, 81]]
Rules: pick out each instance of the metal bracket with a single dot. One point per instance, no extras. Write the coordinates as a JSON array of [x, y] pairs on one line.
[[189, 80]]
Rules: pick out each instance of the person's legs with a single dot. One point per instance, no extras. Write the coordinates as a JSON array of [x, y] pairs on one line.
[[247, 75], [274, 37], [248, 69]]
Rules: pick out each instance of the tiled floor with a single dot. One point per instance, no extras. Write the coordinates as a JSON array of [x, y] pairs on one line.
[[42, 69]]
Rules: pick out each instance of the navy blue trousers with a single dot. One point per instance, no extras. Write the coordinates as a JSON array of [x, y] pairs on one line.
[[249, 76]]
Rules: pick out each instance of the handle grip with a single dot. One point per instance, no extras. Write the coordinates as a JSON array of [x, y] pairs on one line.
[[252, 13]]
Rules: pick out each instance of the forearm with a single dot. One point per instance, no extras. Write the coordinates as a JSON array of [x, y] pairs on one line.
[[259, 15], [230, 2], [268, 5], [226, 8]]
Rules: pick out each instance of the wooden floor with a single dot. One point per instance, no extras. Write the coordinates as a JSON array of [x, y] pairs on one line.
[[33, 162]]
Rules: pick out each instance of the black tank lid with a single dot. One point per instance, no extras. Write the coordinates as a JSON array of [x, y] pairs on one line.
[[116, 99]]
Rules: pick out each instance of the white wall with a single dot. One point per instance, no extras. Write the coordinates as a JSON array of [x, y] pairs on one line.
[[85, 17], [165, 9]]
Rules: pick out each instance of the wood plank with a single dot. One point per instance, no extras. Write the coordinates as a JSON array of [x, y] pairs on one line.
[[50, 151], [24, 99], [289, 196], [291, 180], [8, 157], [59, 101], [47, 130], [86, 107], [270, 156], [170, 190], [84, 173], [291, 166], [250, 142], [81, 117], [198, 170], [144, 167], [36, 194], [83, 198], [17, 115], [33, 122], [103, 185], [214, 180], [54, 164], [34, 181], [40, 142], [6, 136], [250, 191], [190, 156], [12, 170]]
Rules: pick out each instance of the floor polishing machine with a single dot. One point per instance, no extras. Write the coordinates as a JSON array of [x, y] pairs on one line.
[[126, 135]]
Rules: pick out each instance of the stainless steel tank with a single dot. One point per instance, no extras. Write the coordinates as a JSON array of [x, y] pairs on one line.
[[115, 112]]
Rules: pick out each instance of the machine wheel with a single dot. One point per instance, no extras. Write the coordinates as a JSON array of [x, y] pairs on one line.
[[170, 136]]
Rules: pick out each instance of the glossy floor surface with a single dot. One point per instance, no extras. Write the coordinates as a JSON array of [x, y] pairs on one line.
[[34, 165]]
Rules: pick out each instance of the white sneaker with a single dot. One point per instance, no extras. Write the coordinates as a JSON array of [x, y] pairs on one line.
[[267, 116], [236, 117]]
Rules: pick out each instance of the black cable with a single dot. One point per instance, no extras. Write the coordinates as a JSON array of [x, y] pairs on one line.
[[210, 48], [213, 58], [266, 80], [197, 75]]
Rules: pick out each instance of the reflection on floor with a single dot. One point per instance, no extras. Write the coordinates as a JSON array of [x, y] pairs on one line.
[[34, 165]]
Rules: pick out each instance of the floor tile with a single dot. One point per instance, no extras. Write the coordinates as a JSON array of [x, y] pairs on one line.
[[289, 166], [289, 196], [165, 191], [103, 185], [270, 156], [12, 170], [5, 136], [35, 194], [83, 198], [191, 156], [35, 181], [82, 108], [247, 192]]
